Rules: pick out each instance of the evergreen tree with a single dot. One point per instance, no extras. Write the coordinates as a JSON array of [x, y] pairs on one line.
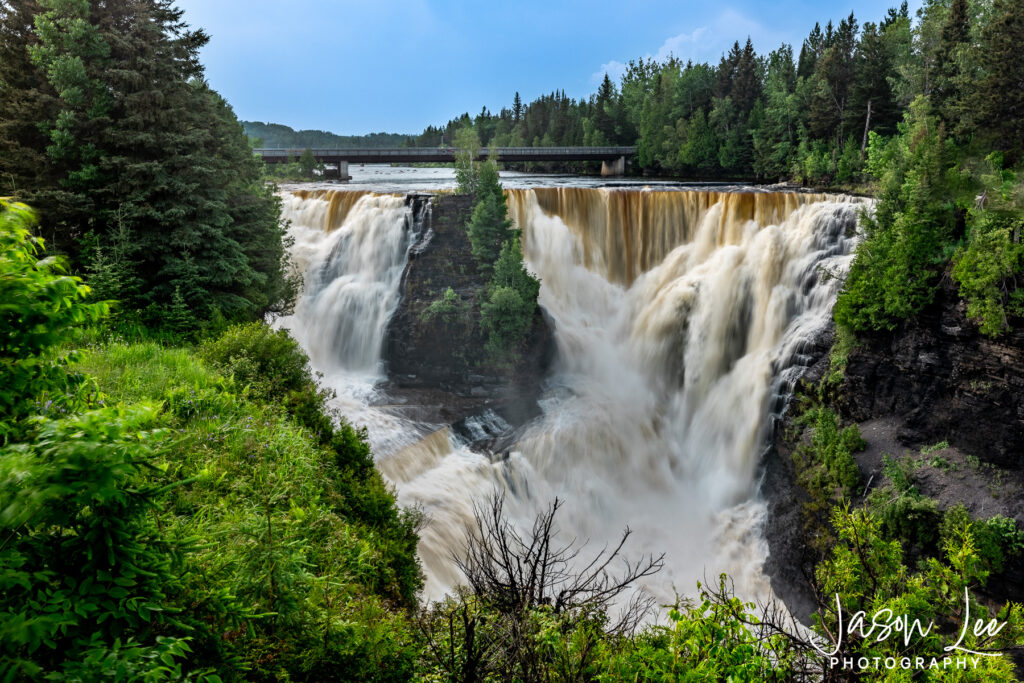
[[946, 80], [488, 229], [810, 52], [726, 73], [746, 86], [135, 139], [998, 102], [834, 76], [25, 99], [872, 105], [602, 119]]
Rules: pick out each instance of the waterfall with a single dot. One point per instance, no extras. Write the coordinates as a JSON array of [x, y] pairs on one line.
[[680, 320], [350, 249]]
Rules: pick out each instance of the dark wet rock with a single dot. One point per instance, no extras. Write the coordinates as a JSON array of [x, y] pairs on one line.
[[942, 380], [934, 379], [437, 368]]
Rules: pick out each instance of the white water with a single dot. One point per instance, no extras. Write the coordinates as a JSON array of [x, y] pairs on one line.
[[659, 401]]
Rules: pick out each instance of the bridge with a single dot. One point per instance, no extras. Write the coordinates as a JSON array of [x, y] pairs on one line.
[[613, 158]]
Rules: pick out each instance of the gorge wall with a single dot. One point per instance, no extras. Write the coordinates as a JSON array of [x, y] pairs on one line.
[[942, 380], [437, 364]]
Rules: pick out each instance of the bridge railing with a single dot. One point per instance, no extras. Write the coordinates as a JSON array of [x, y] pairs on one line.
[[355, 154]]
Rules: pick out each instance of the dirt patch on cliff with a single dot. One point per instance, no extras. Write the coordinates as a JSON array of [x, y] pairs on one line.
[[947, 474]]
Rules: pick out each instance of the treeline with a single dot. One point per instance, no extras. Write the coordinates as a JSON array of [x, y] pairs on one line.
[[141, 174], [277, 136], [804, 115]]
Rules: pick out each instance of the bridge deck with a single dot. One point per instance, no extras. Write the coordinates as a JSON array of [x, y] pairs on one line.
[[431, 154]]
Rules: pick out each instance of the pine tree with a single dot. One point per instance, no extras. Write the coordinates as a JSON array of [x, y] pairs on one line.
[[810, 52], [946, 92], [725, 76], [834, 76], [135, 138], [25, 99], [602, 119], [746, 86], [998, 102], [872, 105]]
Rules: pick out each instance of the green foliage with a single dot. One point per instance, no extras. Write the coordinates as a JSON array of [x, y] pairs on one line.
[[131, 141], [84, 568], [467, 168], [868, 573], [900, 472], [272, 366], [308, 165], [892, 276], [998, 538], [839, 355], [988, 266], [714, 638], [449, 308], [308, 537], [827, 462], [506, 317], [489, 228], [39, 309]]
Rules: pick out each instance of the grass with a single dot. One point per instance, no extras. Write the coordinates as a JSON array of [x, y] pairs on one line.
[[147, 370], [284, 529]]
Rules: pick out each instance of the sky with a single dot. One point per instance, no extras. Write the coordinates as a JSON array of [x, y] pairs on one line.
[[399, 65]]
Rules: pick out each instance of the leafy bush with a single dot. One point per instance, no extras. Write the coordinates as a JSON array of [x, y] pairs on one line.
[[40, 307], [276, 369], [997, 538], [507, 318], [868, 572], [987, 267], [827, 461], [449, 308]]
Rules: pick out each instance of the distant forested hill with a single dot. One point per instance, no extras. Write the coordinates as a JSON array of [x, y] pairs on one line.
[[274, 135]]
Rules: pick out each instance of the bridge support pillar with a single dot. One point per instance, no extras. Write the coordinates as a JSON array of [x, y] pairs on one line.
[[341, 173], [613, 168]]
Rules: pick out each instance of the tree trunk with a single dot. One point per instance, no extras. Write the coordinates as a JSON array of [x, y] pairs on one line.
[[867, 126]]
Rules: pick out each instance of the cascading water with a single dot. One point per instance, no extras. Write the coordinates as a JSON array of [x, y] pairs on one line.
[[679, 318], [351, 264]]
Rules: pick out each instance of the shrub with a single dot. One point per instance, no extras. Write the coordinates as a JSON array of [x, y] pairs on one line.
[[449, 308], [506, 318], [40, 307], [828, 460]]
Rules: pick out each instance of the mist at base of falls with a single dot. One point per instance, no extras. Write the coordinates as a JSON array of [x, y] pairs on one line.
[[679, 317]]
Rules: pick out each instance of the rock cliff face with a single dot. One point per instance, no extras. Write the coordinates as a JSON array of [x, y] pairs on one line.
[[935, 378], [943, 380], [437, 367]]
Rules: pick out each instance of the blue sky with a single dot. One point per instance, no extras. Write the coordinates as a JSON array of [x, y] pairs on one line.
[[399, 65]]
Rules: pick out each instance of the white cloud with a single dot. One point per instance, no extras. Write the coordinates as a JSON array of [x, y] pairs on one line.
[[682, 46], [614, 69], [706, 43]]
